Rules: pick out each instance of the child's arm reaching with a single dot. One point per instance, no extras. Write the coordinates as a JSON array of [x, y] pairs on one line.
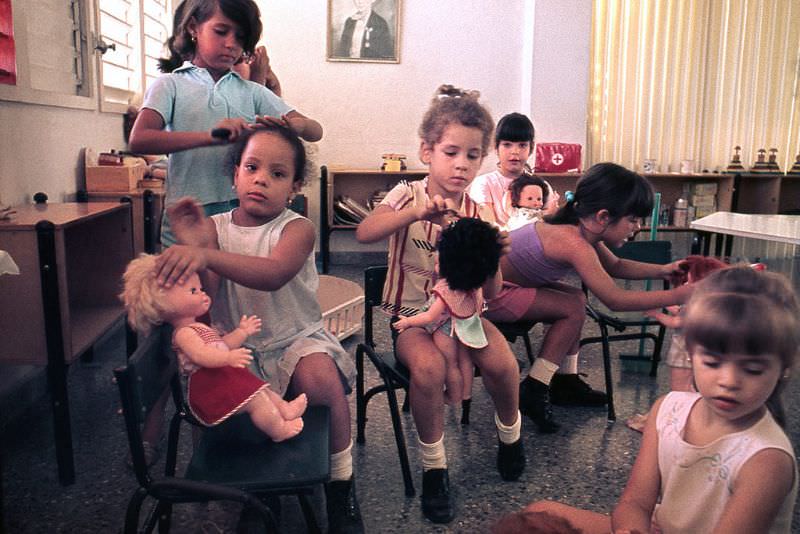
[[384, 221], [421, 319], [635, 506], [148, 135], [248, 325], [179, 262], [763, 483], [204, 355]]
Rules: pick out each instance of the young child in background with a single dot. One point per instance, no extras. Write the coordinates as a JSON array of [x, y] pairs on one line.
[[514, 145], [455, 135], [605, 211], [513, 142], [202, 94], [469, 255], [264, 254], [717, 460], [678, 360], [528, 197], [219, 384]]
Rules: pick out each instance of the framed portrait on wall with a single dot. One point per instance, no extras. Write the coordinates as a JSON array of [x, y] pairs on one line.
[[364, 30]]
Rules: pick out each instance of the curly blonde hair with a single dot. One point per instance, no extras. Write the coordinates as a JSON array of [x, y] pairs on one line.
[[142, 296], [451, 105]]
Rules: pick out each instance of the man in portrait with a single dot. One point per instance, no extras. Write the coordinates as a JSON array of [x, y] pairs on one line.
[[366, 34]]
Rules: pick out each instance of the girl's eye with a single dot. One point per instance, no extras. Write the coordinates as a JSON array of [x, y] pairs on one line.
[[450, 154], [473, 155], [194, 291], [710, 362], [250, 167], [755, 371]]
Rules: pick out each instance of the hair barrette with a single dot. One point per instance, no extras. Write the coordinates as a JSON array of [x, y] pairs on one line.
[[569, 196]]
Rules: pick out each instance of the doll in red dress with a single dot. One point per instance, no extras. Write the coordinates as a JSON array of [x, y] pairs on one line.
[[219, 383]]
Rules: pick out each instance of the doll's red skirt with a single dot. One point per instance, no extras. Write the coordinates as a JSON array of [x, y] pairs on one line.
[[216, 393]]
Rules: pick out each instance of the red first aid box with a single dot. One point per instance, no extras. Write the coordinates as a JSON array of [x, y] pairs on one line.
[[557, 157]]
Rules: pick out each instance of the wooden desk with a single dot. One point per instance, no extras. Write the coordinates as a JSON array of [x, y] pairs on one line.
[[148, 205], [71, 259]]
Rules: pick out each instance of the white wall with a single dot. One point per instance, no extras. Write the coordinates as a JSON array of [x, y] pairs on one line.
[[560, 74], [523, 55], [368, 109], [40, 148]]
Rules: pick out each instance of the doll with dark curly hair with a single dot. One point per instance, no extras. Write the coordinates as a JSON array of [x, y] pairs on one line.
[[469, 255], [529, 196]]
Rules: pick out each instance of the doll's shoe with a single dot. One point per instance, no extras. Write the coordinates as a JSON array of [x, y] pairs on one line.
[[437, 504], [510, 459], [344, 515], [571, 390], [534, 402]]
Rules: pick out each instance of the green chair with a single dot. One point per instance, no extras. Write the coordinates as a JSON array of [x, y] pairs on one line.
[[659, 252], [233, 461]]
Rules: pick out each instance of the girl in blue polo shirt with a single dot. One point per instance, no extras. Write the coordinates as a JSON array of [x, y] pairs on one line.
[[202, 94]]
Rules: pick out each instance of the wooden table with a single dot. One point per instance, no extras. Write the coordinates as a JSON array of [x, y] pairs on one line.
[[71, 258]]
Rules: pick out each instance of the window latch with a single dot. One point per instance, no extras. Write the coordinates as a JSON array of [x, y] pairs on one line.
[[103, 46]]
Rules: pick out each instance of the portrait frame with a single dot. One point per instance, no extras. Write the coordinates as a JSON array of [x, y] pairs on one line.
[[380, 32]]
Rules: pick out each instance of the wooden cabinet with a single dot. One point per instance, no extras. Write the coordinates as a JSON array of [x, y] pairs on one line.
[[357, 184], [71, 259], [147, 205]]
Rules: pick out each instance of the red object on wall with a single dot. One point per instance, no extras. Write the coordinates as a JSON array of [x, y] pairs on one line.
[[8, 55], [557, 157]]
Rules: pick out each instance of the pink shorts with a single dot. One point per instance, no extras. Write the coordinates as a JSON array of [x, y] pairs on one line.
[[510, 304]]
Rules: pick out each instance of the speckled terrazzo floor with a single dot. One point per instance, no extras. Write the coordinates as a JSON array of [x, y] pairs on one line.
[[585, 464]]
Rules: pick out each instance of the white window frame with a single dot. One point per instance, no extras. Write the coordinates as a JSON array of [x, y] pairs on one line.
[[23, 91], [92, 93], [138, 15]]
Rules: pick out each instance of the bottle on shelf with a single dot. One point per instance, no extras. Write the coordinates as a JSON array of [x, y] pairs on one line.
[[680, 213]]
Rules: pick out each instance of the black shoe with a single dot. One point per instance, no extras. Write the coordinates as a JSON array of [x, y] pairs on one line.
[[534, 402], [344, 515], [510, 459], [437, 505], [570, 390]]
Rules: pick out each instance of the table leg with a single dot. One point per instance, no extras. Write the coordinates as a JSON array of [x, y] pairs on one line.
[[56, 364]]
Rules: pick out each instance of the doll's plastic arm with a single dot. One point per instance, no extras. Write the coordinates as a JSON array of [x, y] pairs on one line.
[[204, 355], [421, 319], [248, 325]]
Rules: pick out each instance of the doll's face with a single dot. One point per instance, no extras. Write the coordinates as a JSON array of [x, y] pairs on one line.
[[187, 300], [531, 197]]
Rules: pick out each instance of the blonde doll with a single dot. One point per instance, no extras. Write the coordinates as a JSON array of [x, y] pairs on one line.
[[219, 384]]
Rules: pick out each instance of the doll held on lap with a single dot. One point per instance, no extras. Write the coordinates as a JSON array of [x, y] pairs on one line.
[[219, 384]]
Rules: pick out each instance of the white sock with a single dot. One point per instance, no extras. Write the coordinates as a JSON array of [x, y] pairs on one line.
[[508, 434], [543, 370], [342, 464], [569, 366], [433, 455]]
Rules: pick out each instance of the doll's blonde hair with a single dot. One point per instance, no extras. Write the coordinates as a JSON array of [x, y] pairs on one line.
[[142, 296]]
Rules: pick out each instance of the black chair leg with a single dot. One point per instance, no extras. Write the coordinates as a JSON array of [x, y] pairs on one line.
[[400, 439], [361, 404], [612, 415], [657, 351], [527, 339], [308, 513], [132, 513]]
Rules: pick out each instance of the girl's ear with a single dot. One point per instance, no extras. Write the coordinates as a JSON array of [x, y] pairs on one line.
[[603, 217], [425, 151]]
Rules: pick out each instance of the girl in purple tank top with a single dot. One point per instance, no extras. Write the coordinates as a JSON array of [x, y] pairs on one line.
[[604, 212]]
